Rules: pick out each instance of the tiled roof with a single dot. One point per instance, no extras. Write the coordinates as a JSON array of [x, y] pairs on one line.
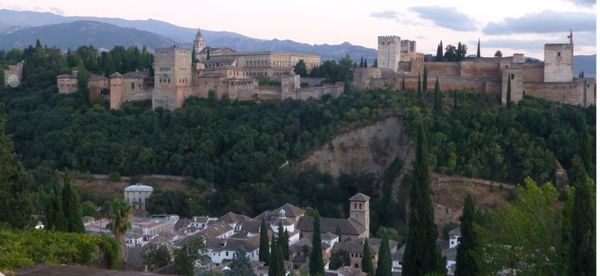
[[216, 230], [347, 226], [328, 236], [249, 244], [232, 217], [135, 75], [290, 210], [454, 232], [360, 197]]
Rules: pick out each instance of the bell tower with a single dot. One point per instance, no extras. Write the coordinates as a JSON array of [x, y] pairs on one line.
[[359, 210], [199, 44]]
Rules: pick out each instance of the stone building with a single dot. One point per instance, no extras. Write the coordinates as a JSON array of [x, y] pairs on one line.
[[13, 75], [551, 80], [172, 77], [136, 195], [132, 86]]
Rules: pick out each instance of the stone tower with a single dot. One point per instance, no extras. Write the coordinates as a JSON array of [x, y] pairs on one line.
[[388, 52], [116, 90], [359, 210], [199, 44], [172, 77], [558, 62]]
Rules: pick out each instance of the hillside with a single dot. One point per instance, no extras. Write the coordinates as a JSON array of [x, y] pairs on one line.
[[74, 34], [586, 64], [18, 20]]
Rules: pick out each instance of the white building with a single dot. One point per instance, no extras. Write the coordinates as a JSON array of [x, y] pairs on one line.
[[453, 236], [136, 195]]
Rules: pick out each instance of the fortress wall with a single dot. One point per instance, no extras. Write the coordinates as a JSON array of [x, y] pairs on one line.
[[442, 69], [533, 72], [479, 68], [575, 93], [453, 83]]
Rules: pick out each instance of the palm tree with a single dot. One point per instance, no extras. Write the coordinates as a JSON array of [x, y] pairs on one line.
[[118, 213]]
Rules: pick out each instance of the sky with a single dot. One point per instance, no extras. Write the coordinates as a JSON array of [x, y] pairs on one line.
[[512, 26]]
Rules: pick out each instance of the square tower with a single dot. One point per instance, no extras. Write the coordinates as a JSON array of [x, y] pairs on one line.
[[388, 52], [172, 77], [558, 62], [359, 210]]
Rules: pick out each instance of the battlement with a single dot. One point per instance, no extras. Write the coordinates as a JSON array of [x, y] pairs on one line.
[[388, 38]]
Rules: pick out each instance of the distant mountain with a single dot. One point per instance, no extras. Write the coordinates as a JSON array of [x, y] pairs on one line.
[[18, 20], [585, 64], [74, 34]]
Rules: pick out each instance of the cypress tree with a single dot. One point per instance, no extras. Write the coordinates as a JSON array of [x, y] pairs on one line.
[[585, 148], [455, 95], [366, 262], [478, 48], [437, 97], [421, 254], [466, 263], [384, 261], [583, 226], [419, 86], [263, 251], [316, 265], [508, 94], [71, 207], [276, 263], [375, 63], [338, 232], [459, 50], [403, 87], [425, 79], [56, 216], [440, 52], [283, 242]]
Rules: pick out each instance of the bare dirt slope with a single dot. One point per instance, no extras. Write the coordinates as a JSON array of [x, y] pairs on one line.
[[369, 149], [106, 188]]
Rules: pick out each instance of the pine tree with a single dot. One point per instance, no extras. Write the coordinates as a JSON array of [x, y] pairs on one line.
[[384, 261], [440, 52], [15, 199], [478, 48], [71, 207], [375, 63], [419, 86], [508, 94], [583, 226], [263, 253], [437, 97], [366, 262], [466, 263], [316, 256], [421, 254], [425, 79]]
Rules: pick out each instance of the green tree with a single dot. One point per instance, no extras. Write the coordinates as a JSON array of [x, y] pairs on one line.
[[478, 48], [83, 77], [508, 94], [55, 216], [425, 79], [88, 208], [375, 65], [437, 97], [300, 68], [419, 86], [338, 259], [240, 265], [498, 54], [338, 232], [283, 242], [421, 254], [403, 87], [263, 251], [586, 150], [156, 256], [71, 207], [276, 265], [184, 263], [466, 256], [384, 261], [15, 199], [440, 52], [118, 213], [366, 261], [316, 256], [583, 226]]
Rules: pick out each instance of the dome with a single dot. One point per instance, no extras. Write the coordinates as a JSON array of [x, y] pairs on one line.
[[139, 187]]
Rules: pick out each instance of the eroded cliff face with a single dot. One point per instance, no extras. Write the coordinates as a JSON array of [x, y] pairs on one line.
[[369, 149]]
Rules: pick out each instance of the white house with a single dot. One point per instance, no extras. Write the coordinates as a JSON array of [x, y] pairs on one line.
[[453, 236], [136, 195], [200, 222], [220, 250]]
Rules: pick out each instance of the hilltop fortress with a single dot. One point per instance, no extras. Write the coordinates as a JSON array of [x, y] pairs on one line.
[[551, 80], [207, 72]]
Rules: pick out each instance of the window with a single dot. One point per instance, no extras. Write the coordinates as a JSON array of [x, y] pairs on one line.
[[132, 86], [559, 54], [512, 76]]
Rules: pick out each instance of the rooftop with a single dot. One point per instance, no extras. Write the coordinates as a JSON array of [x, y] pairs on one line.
[[139, 187], [360, 197]]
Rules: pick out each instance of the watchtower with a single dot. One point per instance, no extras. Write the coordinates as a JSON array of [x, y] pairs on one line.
[[359, 210], [388, 52]]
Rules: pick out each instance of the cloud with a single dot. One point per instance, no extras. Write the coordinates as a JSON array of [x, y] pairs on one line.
[[537, 44], [447, 17], [56, 10], [544, 22], [587, 3], [386, 15]]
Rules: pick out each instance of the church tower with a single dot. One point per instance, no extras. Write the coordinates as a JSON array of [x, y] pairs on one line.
[[199, 44], [359, 210]]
